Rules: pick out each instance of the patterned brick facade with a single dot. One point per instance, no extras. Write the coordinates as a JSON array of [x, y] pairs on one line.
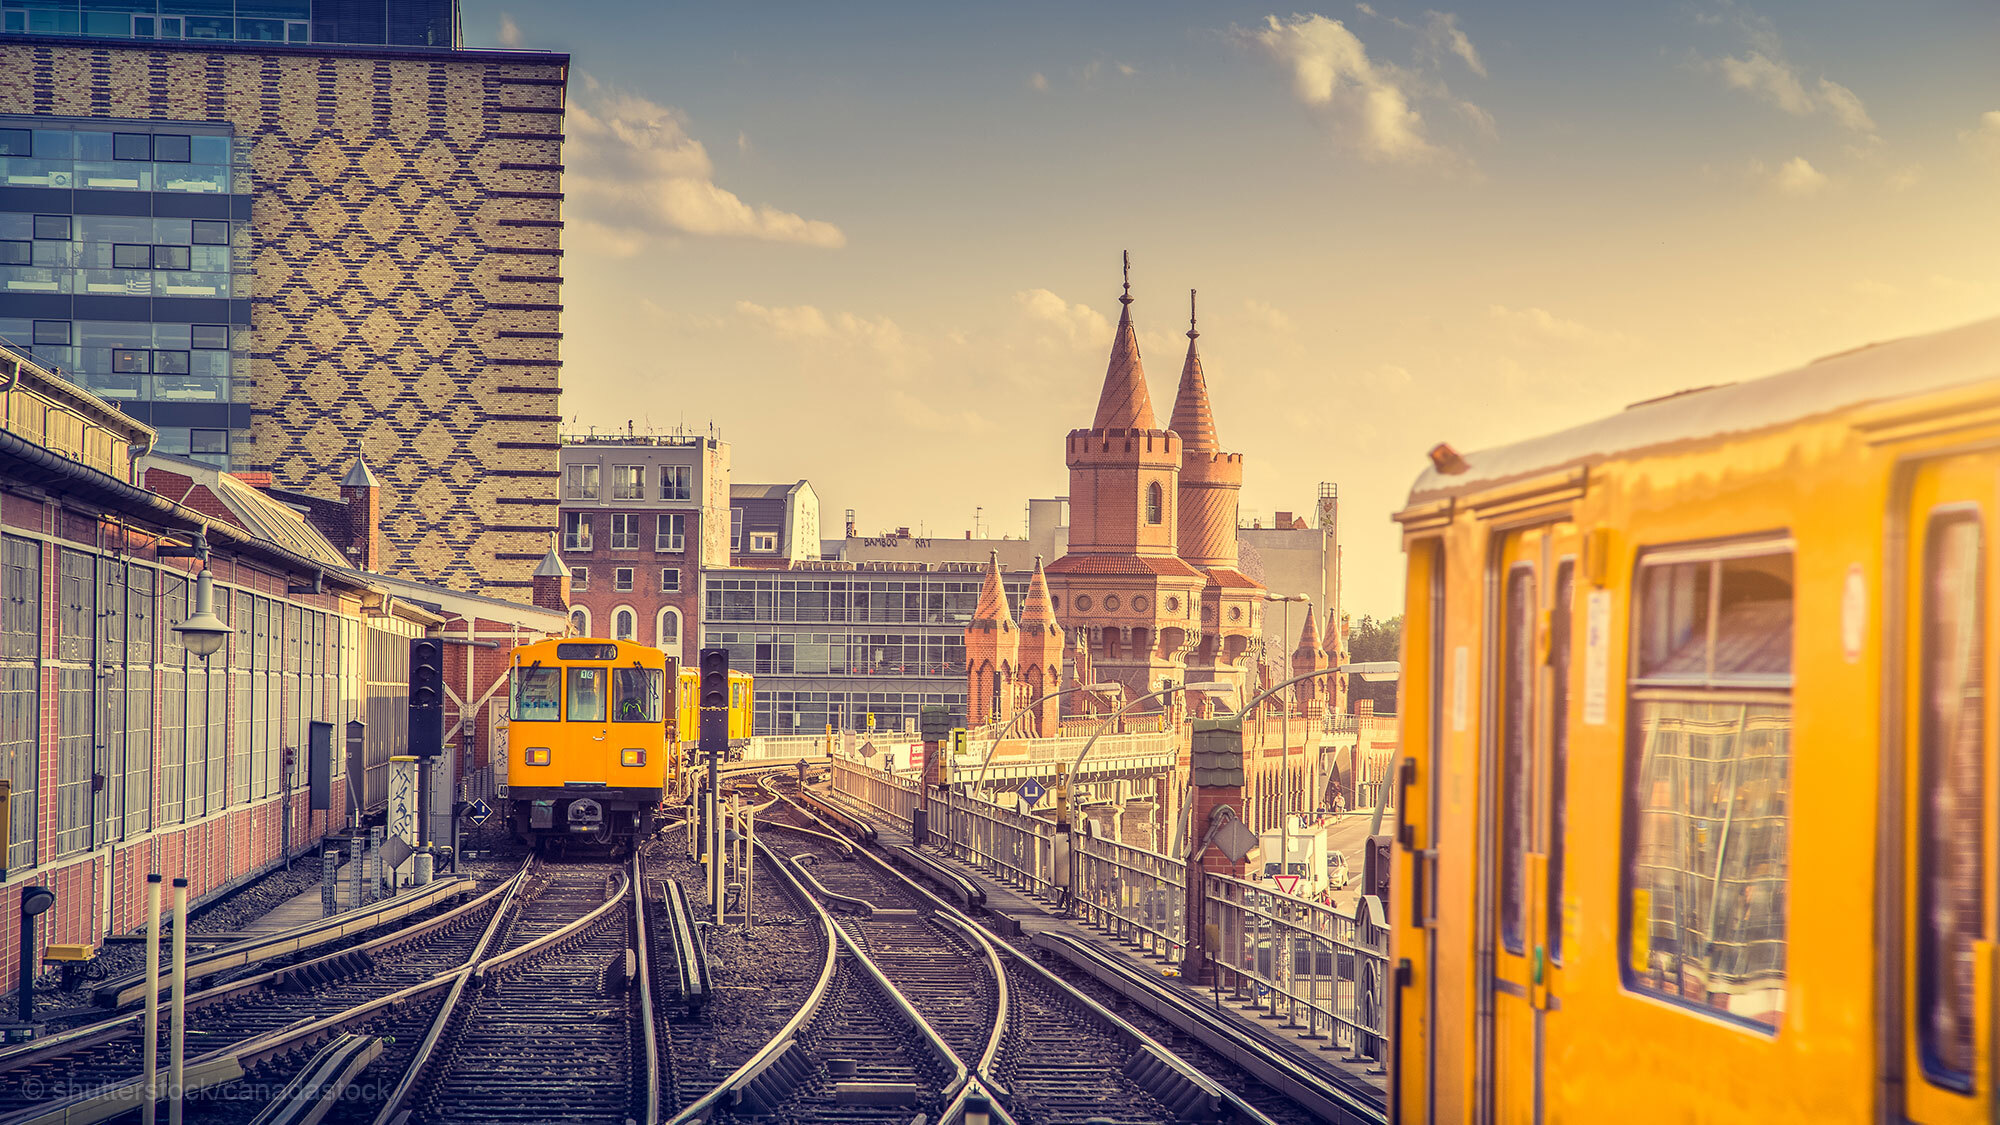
[[407, 253]]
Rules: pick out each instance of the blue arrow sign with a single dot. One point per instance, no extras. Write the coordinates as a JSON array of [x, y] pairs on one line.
[[479, 811], [1032, 792]]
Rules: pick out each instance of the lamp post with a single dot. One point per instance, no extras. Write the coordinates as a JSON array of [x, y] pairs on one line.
[[35, 901], [1094, 689], [1285, 741], [203, 632], [1209, 687]]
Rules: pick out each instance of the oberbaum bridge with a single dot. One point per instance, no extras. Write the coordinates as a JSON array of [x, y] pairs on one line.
[[1130, 769]]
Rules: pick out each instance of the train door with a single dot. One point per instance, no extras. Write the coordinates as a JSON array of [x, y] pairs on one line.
[[1521, 811], [1943, 970]]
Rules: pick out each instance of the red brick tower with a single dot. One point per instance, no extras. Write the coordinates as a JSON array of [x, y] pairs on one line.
[[362, 493], [1122, 583], [992, 653], [1210, 483], [1309, 697], [1041, 655]]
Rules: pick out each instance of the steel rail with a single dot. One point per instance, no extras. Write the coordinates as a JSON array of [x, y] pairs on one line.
[[648, 1028], [703, 1107], [93, 1034]]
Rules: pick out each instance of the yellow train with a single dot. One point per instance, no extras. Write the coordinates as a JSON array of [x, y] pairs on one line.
[[594, 729], [741, 711], [1700, 782]]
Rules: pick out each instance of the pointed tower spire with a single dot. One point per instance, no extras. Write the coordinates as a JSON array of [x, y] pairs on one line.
[[1193, 419], [993, 609], [1309, 636], [1038, 613], [1125, 403]]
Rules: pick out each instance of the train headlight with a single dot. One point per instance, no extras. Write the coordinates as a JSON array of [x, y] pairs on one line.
[[635, 757], [537, 756]]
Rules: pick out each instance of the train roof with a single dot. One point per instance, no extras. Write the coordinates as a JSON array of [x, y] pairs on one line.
[[1873, 373]]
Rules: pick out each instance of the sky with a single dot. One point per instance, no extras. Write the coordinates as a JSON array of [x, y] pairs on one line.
[[877, 246]]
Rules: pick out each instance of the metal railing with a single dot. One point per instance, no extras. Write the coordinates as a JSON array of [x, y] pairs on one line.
[[1013, 847], [892, 796], [1136, 896], [1307, 964]]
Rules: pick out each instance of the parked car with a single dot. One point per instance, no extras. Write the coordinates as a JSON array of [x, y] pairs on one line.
[[1336, 871]]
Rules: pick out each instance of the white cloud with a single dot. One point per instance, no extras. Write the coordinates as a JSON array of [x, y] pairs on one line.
[[742, 142], [1442, 32], [1772, 80], [1078, 325], [1799, 178], [1845, 106], [510, 32], [1905, 178], [1765, 72], [1539, 324], [1371, 104], [1267, 317], [1984, 138], [637, 173], [1038, 82], [807, 323]]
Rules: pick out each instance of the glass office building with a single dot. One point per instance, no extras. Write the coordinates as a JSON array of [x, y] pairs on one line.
[[836, 646], [124, 264], [390, 23]]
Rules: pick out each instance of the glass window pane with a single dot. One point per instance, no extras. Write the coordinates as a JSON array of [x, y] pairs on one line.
[[211, 232], [537, 697], [586, 695], [16, 253], [170, 257], [52, 226], [16, 142], [637, 695], [1517, 671], [1951, 865], [131, 146], [1673, 614], [212, 336], [171, 146], [1753, 625], [54, 332], [1559, 649]]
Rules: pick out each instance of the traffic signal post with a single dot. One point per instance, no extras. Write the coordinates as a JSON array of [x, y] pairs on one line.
[[714, 744]]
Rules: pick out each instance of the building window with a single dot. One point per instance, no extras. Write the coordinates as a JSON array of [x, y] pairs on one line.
[[628, 482], [670, 628], [211, 232], [764, 541], [670, 580], [1710, 745], [131, 146], [576, 531], [210, 337], [55, 227], [579, 482], [676, 482], [624, 531], [1155, 503], [52, 333], [171, 258], [735, 526], [672, 534], [16, 253], [579, 622], [621, 578], [624, 625], [16, 142], [174, 148], [579, 578]]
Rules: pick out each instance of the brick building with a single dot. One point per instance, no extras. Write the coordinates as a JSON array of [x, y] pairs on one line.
[[288, 243]]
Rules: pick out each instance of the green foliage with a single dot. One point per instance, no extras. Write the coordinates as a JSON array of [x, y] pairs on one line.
[[1369, 639]]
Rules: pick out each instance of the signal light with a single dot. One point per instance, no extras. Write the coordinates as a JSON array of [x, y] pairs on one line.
[[714, 701], [634, 757], [536, 756], [426, 697]]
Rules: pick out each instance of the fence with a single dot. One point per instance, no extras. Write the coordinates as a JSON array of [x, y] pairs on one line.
[[1136, 896], [1013, 847], [1304, 962], [892, 796]]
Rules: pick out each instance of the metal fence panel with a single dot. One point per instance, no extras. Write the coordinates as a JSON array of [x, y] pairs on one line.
[[1016, 848], [1303, 962], [1136, 896]]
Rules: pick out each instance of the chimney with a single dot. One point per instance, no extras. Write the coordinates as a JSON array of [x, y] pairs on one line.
[[362, 493], [1284, 520], [552, 581]]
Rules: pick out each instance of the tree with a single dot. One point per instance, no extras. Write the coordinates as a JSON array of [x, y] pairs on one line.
[[1372, 640]]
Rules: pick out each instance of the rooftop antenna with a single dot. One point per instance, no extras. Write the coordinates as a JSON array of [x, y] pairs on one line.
[[1191, 332]]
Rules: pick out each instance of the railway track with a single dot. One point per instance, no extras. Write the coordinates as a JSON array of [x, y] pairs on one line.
[[251, 1021]]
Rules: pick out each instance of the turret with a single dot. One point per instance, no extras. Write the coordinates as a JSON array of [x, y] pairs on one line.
[[992, 652], [1041, 652], [1211, 480]]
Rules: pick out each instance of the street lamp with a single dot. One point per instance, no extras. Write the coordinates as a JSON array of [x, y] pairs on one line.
[[1207, 687], [35, 901], [1094, 689], [203, 632], [1285, 739]]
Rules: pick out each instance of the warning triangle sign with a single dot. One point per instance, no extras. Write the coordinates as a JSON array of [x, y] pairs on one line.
[[1286, 883]]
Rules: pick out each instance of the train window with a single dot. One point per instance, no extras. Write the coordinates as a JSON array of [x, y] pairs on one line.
[[1710, 739], [586, 695], [1559, 647], [538, 694], [1517, 670], [1952, 738], [578, 650], [635, 695]]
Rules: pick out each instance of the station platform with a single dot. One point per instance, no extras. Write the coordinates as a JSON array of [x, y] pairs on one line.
[[302, 908], [1035, 915]]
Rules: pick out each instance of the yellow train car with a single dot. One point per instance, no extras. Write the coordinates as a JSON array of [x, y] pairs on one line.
[[1700, 783], [590, 724], [742, 709]]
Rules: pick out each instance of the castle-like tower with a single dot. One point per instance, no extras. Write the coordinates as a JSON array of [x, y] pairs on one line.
[[1211, 481], [992, 653], [1041, 657], [1123, 584]]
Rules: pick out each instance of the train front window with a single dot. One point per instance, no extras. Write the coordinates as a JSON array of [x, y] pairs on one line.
[[586, 695], [538, 695], [635, 695], [1706, 862]]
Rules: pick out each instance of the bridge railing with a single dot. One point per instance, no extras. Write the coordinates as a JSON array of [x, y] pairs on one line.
[[1302, 962], [1017, 751], [892, 796], [1013, 847], [1134, 895]]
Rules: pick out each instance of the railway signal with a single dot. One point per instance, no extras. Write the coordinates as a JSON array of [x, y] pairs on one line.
[[714, 723], [479, 811], [426, 697]]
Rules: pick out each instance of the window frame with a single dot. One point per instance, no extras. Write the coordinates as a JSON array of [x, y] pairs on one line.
[[763, 542], [576, 531], [582, 482], [670, 586], [622, 578], [579, 578]]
